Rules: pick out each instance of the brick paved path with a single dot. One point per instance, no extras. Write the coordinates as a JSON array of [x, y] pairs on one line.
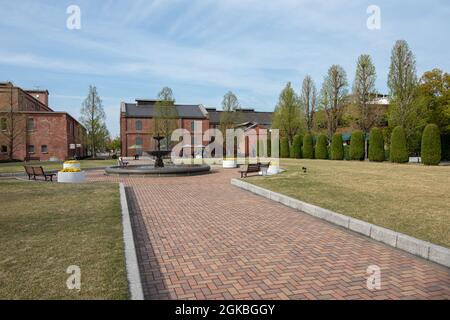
[[201, 238]]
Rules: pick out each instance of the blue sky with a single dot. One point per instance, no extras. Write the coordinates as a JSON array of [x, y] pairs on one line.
[[202, 49]]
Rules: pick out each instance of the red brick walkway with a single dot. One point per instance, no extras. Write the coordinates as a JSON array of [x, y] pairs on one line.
[[201, 238]]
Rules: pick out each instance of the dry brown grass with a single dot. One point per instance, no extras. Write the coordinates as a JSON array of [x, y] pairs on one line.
[[411, 199]]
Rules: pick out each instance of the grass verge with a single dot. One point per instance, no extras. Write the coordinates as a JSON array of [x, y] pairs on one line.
[[411, 199], [47, 227]]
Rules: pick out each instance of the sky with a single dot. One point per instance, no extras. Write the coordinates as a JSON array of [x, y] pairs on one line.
[[201, 49]]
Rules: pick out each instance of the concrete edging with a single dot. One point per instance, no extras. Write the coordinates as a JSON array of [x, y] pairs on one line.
[[392, 238], [132, 267]]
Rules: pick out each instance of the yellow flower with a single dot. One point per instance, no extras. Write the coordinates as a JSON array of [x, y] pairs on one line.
[[71, 162], [70, 170]]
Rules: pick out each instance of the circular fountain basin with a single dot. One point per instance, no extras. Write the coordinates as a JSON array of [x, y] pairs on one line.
[[167, 170]]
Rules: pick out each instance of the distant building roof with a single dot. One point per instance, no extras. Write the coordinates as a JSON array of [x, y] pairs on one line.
[[247, 115], [147, 109]]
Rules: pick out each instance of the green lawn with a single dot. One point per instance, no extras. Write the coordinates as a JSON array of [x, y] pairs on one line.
[[13, 167], [47, 227], [411, 199]]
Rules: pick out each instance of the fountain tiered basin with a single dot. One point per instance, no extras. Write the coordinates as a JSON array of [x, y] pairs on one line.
[[160, 168]]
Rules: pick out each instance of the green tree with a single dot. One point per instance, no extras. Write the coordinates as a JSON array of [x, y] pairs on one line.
[[113, 145], [357, 145], [287, 117], [376, 145], [166, 115], [398, 152], [402, 83], [93, 119], [337, 147], [284, 148], [308, 147], [308, 101], [321, 147], [333, 96], [431, 145], [297, 146]]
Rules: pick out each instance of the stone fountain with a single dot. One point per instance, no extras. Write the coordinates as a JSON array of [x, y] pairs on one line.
[[158, 153], [159, 169]]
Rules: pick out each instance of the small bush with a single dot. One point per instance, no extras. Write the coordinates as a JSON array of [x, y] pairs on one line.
[[337, 148], [398, 151], [308, 149], [284, 148], [376, 145], [297, 147], [431, 145], [321, 147], [357, 146]]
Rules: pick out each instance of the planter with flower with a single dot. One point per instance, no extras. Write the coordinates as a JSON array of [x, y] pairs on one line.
[[71, 175], [71, 164]]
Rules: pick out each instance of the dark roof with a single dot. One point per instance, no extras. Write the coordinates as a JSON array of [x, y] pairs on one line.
[[148, 111], [247, 115]]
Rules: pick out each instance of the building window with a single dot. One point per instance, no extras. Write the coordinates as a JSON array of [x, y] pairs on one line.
[[138, 150], [3, 124], [44, 148], [30, 148], [30, 124], [138, 125], [4, 149]]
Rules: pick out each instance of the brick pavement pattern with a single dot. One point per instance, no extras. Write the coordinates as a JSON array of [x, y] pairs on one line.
[[201, 238]]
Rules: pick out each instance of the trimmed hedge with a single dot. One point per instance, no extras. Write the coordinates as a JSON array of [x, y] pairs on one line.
[[284, 148], [308, 149], [398, 151], [357, 146], [346, 152], [376, 145], [431, 145], [321, 147], [297, 147], [337, 148]]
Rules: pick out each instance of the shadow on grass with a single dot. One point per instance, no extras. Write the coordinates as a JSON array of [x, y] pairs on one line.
[[152, 279]]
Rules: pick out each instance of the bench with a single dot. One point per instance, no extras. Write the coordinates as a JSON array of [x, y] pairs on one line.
[[34, 172], [249, 168]]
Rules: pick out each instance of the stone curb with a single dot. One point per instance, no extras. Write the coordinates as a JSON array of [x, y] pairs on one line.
[[133, 274], [394, 239]]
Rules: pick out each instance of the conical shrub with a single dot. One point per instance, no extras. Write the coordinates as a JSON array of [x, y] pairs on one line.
[[357, 146], [308, 148], [376, 145], [337, 147], [398, 151], [321, 147], [431, 145]]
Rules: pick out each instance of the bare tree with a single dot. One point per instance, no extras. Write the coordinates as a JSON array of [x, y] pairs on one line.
[[93, 118], [364, 92], [13, 124], [230, 112], [166, 115], [333, 94], [308, 101]]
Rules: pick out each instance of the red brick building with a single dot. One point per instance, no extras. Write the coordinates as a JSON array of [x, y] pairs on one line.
[[30, 129], [136, 123]]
